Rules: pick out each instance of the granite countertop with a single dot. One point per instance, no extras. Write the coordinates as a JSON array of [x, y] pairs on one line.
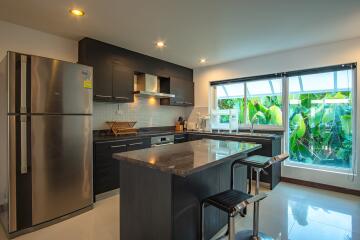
[[139, 135], [189, 157], [238, 134]]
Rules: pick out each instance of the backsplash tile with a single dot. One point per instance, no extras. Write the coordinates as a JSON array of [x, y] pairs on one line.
[[147, 112], [194, 114]]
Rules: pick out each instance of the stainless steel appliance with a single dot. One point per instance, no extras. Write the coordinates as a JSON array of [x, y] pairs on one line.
[[147, 85], [162, 140], [46, 141]]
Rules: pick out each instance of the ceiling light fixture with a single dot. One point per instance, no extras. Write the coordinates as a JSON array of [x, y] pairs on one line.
[[77, 12], [203, 60], [160, 44]]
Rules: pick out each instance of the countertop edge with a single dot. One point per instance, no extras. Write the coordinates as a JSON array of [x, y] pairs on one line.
[[102, 139], [122, 157]]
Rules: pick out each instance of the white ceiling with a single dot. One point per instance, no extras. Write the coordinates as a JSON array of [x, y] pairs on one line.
[[217, 30]]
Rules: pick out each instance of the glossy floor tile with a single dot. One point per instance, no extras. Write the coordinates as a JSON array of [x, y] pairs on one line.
[[301, 213], [289, 212], [100, 223]]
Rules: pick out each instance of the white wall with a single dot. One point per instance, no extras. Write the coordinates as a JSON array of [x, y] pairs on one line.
[[297, 59], [26, 40]]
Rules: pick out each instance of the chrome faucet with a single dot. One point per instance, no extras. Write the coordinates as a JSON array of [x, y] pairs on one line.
[[253, 119]]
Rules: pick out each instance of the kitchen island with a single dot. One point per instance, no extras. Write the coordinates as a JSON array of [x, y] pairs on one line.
[[161, 188]]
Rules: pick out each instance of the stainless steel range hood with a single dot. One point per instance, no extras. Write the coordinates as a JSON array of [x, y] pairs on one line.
[[147, 85]]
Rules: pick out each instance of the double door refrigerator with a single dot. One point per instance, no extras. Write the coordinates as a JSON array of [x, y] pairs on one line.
[[45, 141]]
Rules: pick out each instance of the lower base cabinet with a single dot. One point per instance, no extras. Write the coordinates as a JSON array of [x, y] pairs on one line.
[[106, 169], [270, 147], [107, 175]]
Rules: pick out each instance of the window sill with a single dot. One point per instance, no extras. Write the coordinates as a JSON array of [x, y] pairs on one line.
[[327, 169]]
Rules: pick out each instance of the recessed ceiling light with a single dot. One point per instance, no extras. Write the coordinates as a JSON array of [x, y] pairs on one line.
[[77, 12], [203, 60], [160, 44]]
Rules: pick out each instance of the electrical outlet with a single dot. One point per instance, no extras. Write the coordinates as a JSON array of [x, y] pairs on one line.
[[118, 110]]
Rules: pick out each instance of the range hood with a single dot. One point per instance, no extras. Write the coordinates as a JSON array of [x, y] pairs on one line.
[[147, 85]]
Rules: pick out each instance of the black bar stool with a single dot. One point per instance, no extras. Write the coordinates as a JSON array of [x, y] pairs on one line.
[[233, 202], [258, 164]]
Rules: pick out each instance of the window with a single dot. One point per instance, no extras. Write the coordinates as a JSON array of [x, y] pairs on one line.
[[264, 102], [230, 97], [258, 102], [320, 119], [317, 109]]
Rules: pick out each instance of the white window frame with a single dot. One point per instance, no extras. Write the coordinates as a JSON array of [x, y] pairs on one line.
[[285, 124], [354, 163], [246, 126]]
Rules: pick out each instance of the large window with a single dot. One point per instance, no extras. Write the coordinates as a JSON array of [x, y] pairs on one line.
[[256, 102], [320, 119], [264, 102], [314, 107], [230, 96]]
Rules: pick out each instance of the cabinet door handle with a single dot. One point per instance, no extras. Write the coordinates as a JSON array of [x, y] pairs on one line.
[[179, 138], [23, 145], [121, 97], [103, 96], [23, 81], [118, 146], [135, 144]]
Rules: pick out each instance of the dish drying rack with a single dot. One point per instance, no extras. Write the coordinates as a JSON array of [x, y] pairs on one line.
[[119, 128]]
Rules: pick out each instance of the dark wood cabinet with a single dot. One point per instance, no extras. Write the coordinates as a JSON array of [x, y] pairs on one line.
[[138, 144], [114, 70], [183, 90], [106, 169], [270, 147], [122, 82], [113, 76], [180, 138]]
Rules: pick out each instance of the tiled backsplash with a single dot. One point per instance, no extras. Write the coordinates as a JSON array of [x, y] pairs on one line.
[[147, 112], [193, 116]]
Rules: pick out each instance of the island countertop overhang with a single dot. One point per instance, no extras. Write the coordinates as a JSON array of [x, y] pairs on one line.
[[187, 158]]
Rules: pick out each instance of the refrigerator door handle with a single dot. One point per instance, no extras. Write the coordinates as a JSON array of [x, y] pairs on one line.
[[23, 140], [23, 80]]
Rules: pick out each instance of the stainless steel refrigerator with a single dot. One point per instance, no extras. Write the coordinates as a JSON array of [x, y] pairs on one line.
[[45, 141]]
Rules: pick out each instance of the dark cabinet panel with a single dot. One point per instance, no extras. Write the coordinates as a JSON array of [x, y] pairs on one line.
[[193, 137], [180, 138], [183, 90], [188, 92], [270, 147], [138, 144], [93, 54], [114, 68], [106, 169], [106, 175], [123, 82]]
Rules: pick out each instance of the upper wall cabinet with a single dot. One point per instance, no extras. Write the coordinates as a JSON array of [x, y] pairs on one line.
[[114, 70], [183, 90]]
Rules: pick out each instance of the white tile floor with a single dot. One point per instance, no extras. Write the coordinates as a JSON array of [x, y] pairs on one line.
[[290, 212]]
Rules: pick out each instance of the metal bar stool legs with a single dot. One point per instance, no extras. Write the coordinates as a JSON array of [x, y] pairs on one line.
[[258, 164], [231, 223], [233, 202], [256, 205], [254, 234]]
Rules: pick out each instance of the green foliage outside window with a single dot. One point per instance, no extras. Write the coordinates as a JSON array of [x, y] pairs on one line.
[[263, 110], [321, 133], [232, 103]]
